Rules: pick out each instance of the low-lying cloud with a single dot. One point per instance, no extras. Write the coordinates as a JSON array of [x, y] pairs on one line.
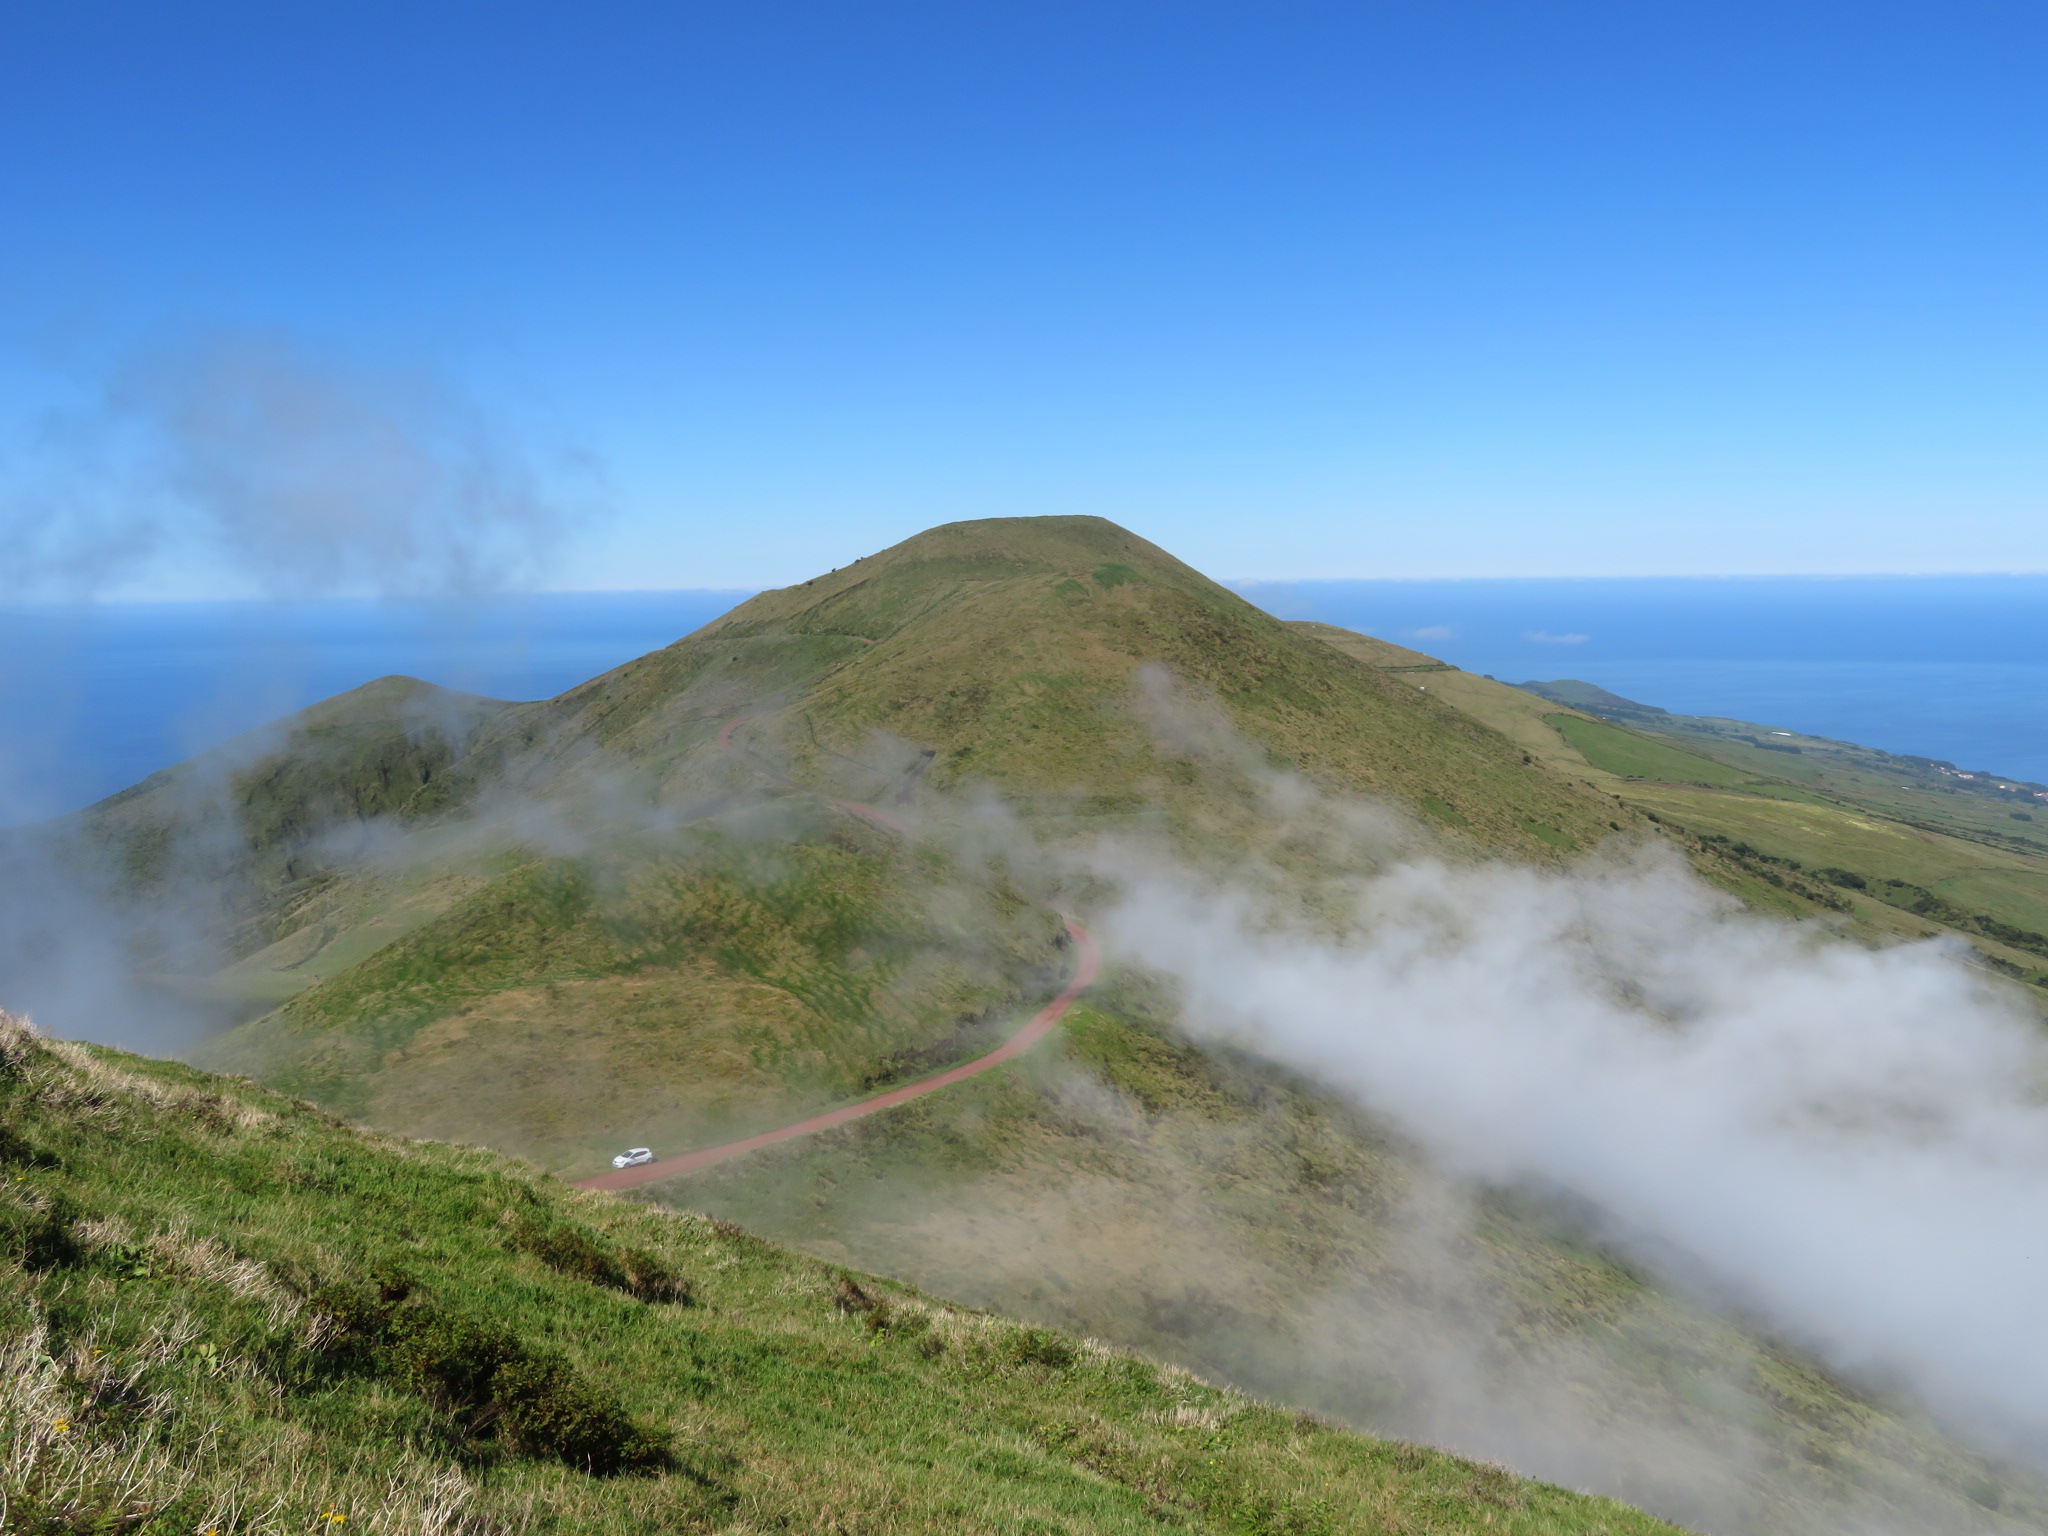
[[1848, 1143]]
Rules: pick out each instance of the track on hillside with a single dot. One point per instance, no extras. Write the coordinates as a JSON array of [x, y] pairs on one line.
[[1087, 962]]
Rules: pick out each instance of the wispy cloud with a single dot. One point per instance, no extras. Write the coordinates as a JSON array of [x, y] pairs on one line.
[[285, 469], [1433, 632], [1544, 637]]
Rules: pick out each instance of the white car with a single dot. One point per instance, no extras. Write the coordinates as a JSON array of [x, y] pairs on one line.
[[633, 1158]]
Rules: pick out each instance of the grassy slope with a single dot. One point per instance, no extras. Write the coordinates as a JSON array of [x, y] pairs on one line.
[[1758, 815], [723, 984], [1216, 1214], [1009, 647], [265, 836], [1965, 845], [674, 993], [186, 1266]]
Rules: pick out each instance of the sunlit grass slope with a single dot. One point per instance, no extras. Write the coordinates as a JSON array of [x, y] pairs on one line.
[[227, 1313], [1010, 646]]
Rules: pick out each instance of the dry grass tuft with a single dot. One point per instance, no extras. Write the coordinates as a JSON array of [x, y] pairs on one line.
[[73, 1078], [56, 1473]]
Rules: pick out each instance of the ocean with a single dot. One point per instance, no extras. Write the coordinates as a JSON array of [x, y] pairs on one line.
[[94, 698], [1948, 667]]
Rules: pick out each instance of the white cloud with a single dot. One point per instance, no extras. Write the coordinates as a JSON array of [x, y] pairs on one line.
[[1544, 637], [1850, 1140]]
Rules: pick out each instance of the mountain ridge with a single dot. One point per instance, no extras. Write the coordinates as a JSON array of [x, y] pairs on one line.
[[639, 913]]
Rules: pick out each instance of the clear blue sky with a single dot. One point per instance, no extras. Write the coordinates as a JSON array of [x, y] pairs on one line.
[[1299, 290]]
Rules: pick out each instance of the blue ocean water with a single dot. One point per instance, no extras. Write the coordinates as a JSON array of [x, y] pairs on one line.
[[92, 699], [1950, 667]]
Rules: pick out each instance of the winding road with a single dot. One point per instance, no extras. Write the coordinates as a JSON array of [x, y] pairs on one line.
[[1087, 961]]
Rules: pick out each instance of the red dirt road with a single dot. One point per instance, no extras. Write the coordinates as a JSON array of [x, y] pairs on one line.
[[1086, 963]]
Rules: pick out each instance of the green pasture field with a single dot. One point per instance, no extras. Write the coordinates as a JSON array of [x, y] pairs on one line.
[[1628, 755]]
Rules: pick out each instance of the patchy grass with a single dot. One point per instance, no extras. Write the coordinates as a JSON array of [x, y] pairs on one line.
[[1214, 1213], [226, 1313]]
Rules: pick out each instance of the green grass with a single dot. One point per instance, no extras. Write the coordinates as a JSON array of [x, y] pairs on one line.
[[763, 956], [1122, 1183], [1629, 755], [227, 1313]]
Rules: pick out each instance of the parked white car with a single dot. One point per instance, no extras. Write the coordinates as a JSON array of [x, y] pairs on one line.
[[633, 1159]]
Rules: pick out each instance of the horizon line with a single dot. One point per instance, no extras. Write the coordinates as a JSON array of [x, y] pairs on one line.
[[740, 593]]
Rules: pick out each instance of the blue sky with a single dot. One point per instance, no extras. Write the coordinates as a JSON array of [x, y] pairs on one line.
[[1297, 290]]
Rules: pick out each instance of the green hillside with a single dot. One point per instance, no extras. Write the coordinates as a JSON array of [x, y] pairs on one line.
[[226, 1313], [652, 911], [1004, 655], [1906, 845], [761, 949], [1903, 846]]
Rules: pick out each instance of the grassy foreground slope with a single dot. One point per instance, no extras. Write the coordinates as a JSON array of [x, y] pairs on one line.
[[627, 934], [226, 1313]]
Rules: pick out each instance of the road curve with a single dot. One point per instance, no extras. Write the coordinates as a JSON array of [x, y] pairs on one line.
[[1086, 963]]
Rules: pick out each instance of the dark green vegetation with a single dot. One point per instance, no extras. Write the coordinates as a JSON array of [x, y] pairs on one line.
[[227, 1313], [563, 927]]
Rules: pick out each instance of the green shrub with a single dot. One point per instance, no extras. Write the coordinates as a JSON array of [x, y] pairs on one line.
[[569, 1250], [35, 1232], [356, 1312], [550, 1411], [17, 1150], [485, 1375], [849, 1298], [451, 1360], [566, 1250], [1039, 1346], [651, 1280]]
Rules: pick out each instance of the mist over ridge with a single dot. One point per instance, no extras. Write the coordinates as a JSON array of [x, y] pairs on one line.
[[632, 911], [1289, 919]]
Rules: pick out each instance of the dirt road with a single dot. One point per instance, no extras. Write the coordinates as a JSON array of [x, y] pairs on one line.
[[1086, 963]]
